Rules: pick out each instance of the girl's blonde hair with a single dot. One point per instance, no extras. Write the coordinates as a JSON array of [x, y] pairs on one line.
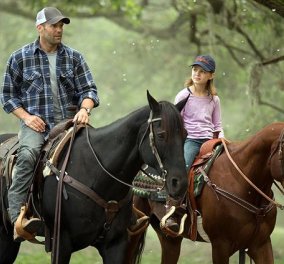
[[210, 87]]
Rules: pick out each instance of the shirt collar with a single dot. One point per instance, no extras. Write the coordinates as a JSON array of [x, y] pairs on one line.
[[36, 47]]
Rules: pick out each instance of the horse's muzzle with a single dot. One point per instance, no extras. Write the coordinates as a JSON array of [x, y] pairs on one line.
[[177, 186]]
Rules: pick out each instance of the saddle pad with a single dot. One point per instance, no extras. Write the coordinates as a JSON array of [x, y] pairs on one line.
[[147, 187], [198, 176]]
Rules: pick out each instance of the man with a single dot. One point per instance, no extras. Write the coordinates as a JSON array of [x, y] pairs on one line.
[[42, 81]]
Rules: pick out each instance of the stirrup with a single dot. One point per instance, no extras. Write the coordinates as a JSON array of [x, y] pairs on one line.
[[166, 229], [141, 223], [26, 228]]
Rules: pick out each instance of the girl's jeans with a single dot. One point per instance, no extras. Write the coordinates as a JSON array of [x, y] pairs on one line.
[[191, 150]]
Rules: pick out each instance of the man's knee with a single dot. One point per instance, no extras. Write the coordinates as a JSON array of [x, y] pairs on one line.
[[28, 155]]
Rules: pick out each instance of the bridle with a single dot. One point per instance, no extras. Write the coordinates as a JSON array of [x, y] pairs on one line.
[[155, 152], [111, 207], [279, 146], [150, 122]]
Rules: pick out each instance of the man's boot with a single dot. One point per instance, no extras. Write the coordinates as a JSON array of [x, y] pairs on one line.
[[26, 229]]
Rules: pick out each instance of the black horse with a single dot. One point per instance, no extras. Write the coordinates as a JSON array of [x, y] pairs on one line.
[[106, 160]]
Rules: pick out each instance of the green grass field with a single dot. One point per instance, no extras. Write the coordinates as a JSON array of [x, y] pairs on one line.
[[192, 252]]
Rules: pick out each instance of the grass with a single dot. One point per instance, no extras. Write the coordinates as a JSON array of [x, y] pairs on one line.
[[192, 252]]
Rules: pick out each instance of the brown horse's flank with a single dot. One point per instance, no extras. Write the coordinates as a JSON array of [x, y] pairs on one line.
[[229, 226]]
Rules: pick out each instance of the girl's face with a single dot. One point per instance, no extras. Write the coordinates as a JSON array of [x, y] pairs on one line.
[[199, 76]]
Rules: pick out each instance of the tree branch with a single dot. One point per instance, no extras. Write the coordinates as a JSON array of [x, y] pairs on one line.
[[276, 6]]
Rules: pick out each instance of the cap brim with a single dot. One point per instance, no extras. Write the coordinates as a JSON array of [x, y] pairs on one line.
[[54, 20], [202, 65]]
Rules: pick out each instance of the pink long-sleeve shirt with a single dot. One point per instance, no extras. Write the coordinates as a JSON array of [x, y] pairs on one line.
[[201, 115]]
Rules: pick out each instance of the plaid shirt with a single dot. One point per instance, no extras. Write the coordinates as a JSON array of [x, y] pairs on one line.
[[27, 82]]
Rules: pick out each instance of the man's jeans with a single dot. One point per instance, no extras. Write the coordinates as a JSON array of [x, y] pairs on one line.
[[191, 150], [30, 144]]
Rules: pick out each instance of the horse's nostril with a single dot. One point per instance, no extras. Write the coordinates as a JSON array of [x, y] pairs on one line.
[[174, 182]]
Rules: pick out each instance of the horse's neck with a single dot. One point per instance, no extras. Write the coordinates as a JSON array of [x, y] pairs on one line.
[[124, 130], [116, 144], [252, 155]]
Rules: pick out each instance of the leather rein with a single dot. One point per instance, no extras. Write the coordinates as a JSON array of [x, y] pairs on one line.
[[234, 198], [150, 122], [90, 192], [111, 207]]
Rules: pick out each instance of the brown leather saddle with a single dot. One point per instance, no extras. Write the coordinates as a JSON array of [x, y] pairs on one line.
[[209, 151], [58, 137], [182, 209]]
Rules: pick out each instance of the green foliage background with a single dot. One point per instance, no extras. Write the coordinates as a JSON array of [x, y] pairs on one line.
[[125, 64]]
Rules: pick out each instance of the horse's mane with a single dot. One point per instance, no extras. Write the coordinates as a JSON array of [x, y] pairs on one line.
[[171, 119]]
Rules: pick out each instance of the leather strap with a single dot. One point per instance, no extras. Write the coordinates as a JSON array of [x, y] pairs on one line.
[[57, 218], [249, 181]]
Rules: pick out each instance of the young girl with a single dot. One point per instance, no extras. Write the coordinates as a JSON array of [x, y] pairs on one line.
[[202, 112]]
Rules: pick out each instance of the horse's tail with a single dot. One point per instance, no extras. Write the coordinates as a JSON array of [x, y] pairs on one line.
[[140, 248]]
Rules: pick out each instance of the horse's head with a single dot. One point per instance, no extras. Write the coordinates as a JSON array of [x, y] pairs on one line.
[[161, 145], [277, 159]]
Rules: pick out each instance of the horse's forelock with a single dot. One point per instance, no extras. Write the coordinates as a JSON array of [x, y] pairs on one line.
[[171, 119]]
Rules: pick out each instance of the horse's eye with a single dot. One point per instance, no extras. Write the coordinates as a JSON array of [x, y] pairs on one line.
[[161, 134]]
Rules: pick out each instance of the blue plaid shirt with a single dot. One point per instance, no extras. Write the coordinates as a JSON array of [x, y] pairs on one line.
[[27, 83]]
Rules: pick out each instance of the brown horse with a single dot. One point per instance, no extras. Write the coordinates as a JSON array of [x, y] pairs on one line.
[[237, 207]]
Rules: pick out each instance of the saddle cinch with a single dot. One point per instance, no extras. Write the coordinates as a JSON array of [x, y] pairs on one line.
[[50, 153], [180, 210]]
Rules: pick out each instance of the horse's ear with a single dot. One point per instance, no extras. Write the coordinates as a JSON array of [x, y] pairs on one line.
[[180, 105], [154, 105]]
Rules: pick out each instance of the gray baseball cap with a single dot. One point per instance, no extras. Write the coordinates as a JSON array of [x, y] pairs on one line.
[[51, 15]]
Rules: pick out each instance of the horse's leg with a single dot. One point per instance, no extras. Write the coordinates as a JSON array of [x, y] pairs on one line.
[[170, 249], [65, 249], [170, 246], [113, 251], [220, 252], [8, 248], [135, 245], [262, 254]]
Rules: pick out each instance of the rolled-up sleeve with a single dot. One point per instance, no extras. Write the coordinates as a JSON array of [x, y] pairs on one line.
[[85, 83], [216, 117]]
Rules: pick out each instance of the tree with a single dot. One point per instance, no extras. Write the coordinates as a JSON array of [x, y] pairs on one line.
[[182, 17], [246, 34]]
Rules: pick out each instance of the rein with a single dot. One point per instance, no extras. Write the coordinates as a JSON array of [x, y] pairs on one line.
[[280, 152], [111, 207], [234, 198], [248, 180], [57, 218], [154, 151]]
